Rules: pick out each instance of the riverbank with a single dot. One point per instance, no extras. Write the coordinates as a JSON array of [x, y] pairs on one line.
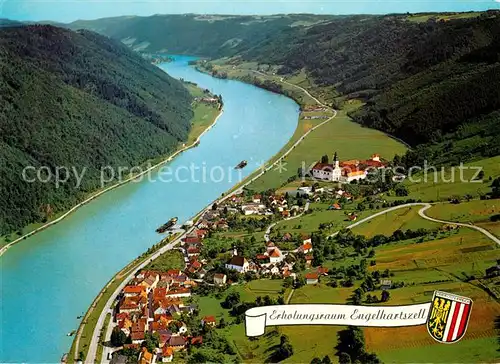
[[199, 128], [324, 137]]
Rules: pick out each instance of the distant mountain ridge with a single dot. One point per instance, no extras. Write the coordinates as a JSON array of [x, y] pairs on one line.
[[221, 35], [422, 77], [77, 99]]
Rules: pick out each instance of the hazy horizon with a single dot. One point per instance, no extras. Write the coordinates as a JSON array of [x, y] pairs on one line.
[[71, 10]]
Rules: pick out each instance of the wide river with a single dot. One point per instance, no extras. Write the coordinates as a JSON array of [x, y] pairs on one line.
[[51, 278]]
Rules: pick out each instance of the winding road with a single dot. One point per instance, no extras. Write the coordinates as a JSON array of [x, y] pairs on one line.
[[422, 214]]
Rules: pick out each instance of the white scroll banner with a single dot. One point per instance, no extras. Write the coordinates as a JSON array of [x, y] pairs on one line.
[[258, 318]]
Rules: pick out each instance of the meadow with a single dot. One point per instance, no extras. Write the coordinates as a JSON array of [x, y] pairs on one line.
[[340, 135], [472, 211], [447, 182]]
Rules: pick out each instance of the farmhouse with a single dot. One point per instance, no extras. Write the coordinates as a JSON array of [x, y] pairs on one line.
[[238, 263], [220, 279], [312, 278]]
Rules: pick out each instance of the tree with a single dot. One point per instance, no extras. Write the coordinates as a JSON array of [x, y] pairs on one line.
[[324, 159], [352, 342], [222, 323], [284, 350], [118, 337], [326, 360], [231, 300], [344, 358], [401, 190], [151, 341], [385, 296], [318, 258], [288, 282], [316, 361], [214, 206]]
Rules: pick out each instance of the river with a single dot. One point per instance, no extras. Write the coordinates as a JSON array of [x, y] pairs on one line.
[[52, 277]]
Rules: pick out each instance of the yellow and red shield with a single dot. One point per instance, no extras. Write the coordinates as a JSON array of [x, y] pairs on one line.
[[448, 317]]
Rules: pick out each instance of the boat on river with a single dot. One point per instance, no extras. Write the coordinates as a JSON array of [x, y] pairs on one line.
[[168, 225], [241, 165]]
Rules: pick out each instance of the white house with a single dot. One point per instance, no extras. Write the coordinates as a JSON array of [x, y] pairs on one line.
[[350, 176], [275, 256], [237, 263], [220, 279]]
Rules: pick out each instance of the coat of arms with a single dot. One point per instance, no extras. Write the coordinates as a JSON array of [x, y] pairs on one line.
[[448, 317]]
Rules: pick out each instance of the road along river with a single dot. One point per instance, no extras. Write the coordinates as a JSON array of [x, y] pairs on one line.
[[52, 277]]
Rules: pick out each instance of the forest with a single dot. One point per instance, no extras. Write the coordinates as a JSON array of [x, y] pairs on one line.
[[77, 99]]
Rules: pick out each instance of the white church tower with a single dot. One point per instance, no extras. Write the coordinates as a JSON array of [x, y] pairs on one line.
[[337, 171]]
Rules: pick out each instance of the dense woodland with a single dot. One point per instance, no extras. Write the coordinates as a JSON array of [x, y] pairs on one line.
[[77, 99], [203, 35]]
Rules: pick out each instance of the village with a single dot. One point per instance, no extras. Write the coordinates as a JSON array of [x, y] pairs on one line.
[[153, 316]]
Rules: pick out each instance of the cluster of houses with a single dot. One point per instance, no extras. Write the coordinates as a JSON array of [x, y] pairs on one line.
[[272, 262], [315, 117], [312, 108], [152, 303], [207, 100], [346, 171]]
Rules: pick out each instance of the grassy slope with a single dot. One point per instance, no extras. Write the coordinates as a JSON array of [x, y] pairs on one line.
[[446, 259], [474, 211], [403, 219], [427, 189]]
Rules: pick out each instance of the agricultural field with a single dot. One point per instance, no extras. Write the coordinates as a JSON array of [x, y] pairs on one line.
[[451, 263], [310, 222], [171, 259], [402, 219], [442, 185], [466, 212]]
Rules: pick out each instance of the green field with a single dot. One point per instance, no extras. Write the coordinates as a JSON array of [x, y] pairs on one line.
[[472, 211], [171, 259], [442, 185], [340, 135], [310, 222], [403, 219]]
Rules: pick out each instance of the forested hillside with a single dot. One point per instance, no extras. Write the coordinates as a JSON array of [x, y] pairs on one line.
[[204, 35], [77, 99], [420, 80]]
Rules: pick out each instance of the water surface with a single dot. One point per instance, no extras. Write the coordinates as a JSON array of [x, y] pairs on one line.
[[52, 277]]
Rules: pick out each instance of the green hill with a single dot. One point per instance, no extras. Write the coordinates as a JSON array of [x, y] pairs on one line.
[[77, 99], [420, 80], [203, 35]]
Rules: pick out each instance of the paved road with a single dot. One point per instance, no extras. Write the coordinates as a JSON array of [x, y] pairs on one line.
[[268, 231], [421, 212], [100, 322]]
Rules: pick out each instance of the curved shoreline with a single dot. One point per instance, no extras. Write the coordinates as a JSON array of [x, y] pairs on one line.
[[107, 189]]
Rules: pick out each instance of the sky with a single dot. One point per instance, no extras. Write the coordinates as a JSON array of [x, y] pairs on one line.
[[70, 10]]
